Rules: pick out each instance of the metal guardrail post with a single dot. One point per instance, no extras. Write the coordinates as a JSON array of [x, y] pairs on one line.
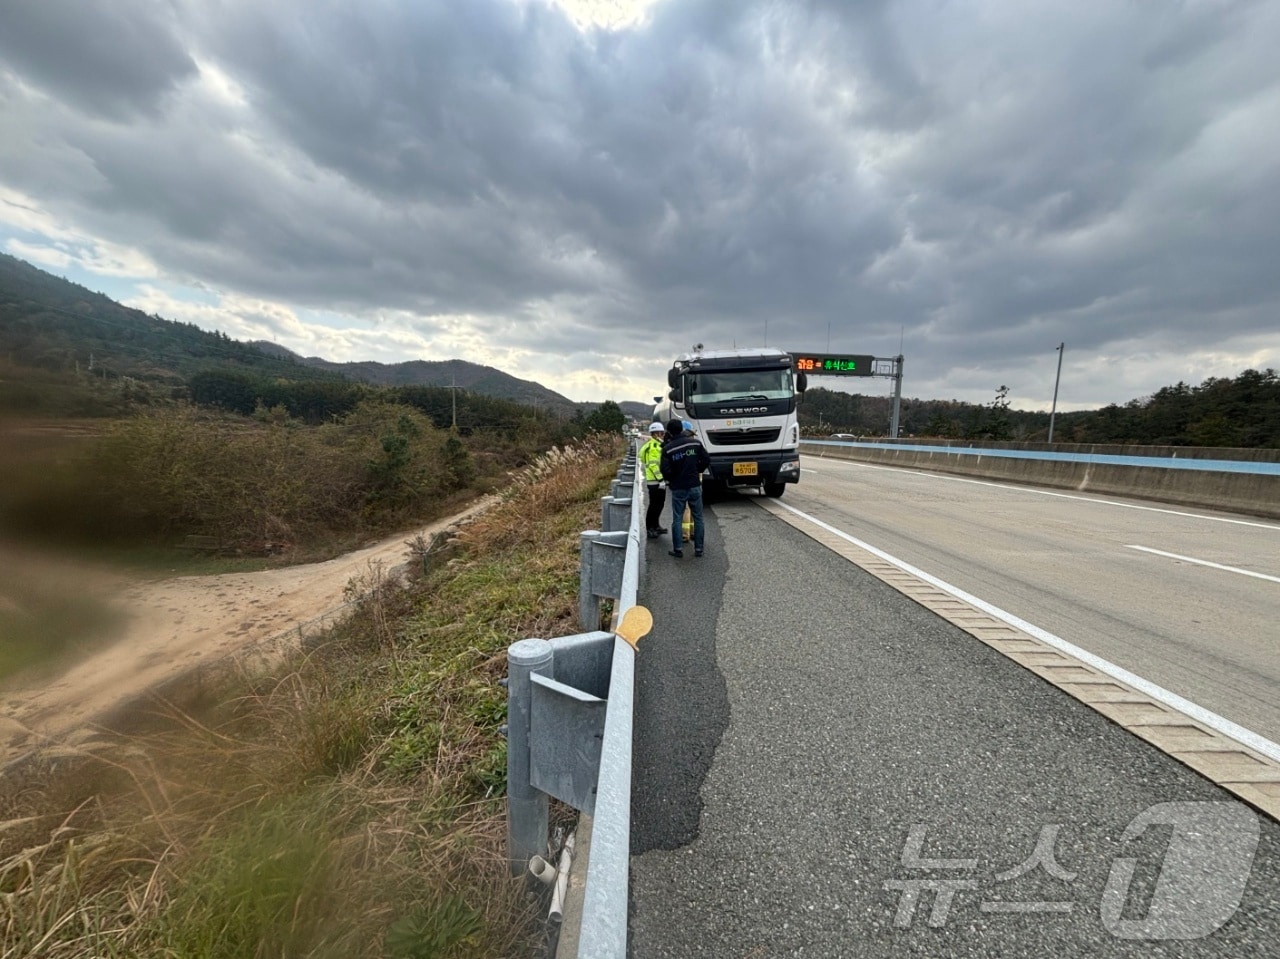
[[619, 511], [601, 566], [555, 732], [588, 601], [527, 807]]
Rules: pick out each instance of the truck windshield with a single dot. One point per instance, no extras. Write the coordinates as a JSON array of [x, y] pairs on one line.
[[725, 385]]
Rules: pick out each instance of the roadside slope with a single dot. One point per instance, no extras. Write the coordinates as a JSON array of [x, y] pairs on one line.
[[176, 625]]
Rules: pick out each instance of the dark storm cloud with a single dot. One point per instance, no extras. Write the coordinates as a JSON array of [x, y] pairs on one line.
[[111, 57], [976, 181], [658, 155]]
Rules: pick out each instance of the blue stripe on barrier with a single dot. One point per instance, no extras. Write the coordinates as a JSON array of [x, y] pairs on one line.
[[1105, 459]]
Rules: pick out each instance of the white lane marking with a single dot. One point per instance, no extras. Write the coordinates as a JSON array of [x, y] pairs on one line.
[[1205, 562], [1044, 492], [1173, 700], [805, 469]]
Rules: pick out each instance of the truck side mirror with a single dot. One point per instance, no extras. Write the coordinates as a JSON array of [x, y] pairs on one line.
[[802, 382], [676, 396], [673, 378]]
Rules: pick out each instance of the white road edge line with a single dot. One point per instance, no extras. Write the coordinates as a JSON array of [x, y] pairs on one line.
[[1205, 562], [1044, 492], [1201, 715]]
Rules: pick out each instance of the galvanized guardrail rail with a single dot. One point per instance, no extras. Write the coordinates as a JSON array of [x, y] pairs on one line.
[[569, 722]]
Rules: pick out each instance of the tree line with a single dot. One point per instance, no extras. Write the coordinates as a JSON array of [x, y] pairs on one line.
[[269, 481], [1241, 411]]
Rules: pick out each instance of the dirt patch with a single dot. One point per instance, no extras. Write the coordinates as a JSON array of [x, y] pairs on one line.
[[176, 626]]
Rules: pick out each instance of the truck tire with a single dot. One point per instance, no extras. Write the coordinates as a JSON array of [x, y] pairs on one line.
[[774, 490]]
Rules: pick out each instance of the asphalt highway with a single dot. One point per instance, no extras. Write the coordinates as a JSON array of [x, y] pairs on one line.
[[823, 767], [1188, 599]]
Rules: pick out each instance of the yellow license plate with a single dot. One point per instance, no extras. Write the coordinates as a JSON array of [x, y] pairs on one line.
[[745, 469]]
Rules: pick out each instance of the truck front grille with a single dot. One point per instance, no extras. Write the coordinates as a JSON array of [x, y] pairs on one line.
[[763, 434]]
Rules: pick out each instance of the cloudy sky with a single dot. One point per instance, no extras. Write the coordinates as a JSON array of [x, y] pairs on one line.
[[574, 191]]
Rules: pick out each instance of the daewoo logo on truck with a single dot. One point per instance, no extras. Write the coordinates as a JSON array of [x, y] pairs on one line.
[[740, 410]]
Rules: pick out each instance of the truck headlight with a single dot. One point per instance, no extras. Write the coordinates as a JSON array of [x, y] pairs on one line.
[[790, 466]]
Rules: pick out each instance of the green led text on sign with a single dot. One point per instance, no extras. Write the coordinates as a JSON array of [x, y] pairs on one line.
[[833, 364]]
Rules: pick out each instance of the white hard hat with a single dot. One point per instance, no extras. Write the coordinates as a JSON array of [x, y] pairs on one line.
[[657, 428]]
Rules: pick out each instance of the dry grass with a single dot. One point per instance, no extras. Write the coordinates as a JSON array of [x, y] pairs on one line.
[[348, 804]]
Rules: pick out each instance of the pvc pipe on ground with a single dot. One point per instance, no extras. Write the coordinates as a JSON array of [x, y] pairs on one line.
[[562, 880], [542, 870]]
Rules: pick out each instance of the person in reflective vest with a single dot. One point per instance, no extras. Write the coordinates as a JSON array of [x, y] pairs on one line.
[[650, 457]]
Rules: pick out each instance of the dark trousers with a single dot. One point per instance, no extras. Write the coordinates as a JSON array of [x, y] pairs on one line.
[[693, 499], [657, 500]]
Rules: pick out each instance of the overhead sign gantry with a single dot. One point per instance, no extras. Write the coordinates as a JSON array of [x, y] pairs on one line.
[[855, 364]]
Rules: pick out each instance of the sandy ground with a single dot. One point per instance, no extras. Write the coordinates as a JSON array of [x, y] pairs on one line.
[[176, 625]]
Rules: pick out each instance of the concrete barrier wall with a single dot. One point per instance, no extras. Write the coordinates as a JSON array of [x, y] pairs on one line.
[[1219, 453], [1236, 484]]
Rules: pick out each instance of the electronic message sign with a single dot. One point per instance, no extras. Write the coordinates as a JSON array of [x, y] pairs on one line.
[[833, 364]]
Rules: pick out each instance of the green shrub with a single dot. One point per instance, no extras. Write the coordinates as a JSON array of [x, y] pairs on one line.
[[250, 484]]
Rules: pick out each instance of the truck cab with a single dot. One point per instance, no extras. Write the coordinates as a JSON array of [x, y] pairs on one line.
[[742, 404]]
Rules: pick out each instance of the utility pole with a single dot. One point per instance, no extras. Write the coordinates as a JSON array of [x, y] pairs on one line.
[[453, 395], [1053, 410]]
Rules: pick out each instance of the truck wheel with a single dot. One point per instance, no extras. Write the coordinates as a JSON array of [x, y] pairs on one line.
[[774, 489]]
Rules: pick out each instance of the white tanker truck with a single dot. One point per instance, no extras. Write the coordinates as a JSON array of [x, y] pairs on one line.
[[742, 404]]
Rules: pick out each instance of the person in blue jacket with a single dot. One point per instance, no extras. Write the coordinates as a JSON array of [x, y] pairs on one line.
[[683, 460]]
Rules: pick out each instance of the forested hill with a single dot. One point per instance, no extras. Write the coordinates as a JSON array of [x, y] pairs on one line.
[[442, 373], [52, 324], [56, 336]]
